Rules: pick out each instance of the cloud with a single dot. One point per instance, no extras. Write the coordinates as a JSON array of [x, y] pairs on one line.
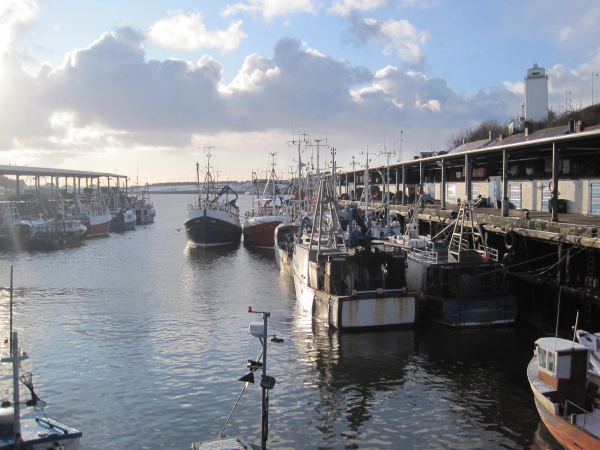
[[15, 15], [347, 7], [270, 8], [395, 36], [109, 97], [420, 4], [586, 25], [188, 32]]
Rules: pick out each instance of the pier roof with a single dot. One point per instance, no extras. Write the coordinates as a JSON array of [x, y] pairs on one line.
[[43, 171]]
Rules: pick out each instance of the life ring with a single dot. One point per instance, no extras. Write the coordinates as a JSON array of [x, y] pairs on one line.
[[551, 185], [511, 240]]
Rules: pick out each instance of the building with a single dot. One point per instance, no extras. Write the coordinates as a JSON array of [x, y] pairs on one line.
[[536, 94]]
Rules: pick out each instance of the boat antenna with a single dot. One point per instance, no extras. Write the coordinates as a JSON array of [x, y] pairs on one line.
[[575, 327], [11, 308], [557, 316]]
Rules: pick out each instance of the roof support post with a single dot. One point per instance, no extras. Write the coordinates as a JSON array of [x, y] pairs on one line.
[[554, 193], [18, 190], [403, 184], [504, 183], [443, 185], [468, 171]]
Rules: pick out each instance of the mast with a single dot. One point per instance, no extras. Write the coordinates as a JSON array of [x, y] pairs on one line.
[[15, 359]]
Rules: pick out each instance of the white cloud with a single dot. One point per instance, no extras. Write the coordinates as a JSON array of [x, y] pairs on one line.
[[270, 8], [14, 15], [110, 98], [396, 36], [515, 87], [347, 7], [586, 24], [421, 4], [188, 32]]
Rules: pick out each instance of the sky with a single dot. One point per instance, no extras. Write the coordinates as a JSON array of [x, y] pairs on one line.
[[144, 87]]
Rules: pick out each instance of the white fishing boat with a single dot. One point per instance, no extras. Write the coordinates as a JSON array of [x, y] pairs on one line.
[[143, 207], [591, 341], [37, 433], [352, 286], [259, 330], [212, 220], [567, 394]]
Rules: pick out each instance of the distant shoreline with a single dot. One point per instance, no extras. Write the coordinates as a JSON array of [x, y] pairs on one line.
[[194, 191]]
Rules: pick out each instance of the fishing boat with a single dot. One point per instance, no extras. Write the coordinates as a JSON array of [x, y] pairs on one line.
[[349, 286], [213, 220], [39, 432], [591, 341], [38, 232], [268, 212], [93, 212], [284, 246], [461, 280], [567, 394], [259, 330], [143, 207], [122, 215]]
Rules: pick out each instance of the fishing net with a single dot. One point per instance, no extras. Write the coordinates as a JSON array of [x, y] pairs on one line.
[[37, 403]]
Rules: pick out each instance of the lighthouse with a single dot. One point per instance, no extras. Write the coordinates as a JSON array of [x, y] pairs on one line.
[[536, 94]]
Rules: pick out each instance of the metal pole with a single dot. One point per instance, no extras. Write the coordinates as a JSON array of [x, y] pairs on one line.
[[265, 399]]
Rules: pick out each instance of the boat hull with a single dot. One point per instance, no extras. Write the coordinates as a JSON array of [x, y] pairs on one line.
[[98, 225], [43, 433], [260, 231], [363, 310], [284, 246], [478, 312], [210, 228], [124, 221]]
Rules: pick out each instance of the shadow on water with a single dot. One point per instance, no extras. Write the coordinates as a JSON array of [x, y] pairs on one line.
[[260, 253], [543, 439]]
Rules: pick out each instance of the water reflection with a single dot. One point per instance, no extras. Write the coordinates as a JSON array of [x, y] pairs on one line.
[[543, 439], [430, 387]]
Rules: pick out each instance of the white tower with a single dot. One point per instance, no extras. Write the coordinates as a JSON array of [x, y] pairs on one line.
[[536, 94]]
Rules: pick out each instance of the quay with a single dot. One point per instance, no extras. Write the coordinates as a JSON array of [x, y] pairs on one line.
[[538, 202]]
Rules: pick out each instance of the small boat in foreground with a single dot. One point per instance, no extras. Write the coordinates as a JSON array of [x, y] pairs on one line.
[[567, 394], [212, 220], [40, 432], [259, 330]]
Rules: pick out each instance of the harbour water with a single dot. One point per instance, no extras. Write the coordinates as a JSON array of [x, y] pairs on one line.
[[139, 343]]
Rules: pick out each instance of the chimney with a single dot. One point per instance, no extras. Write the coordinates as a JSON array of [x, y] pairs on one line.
[[579, 127], [500, 137], [526, 131], [571, 126]]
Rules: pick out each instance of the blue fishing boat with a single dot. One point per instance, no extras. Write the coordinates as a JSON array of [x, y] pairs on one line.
[[461, 281]]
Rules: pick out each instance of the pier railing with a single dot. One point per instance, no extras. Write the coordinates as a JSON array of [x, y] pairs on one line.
[[423, 256]]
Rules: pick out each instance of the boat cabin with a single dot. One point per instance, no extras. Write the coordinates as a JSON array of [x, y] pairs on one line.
[[563, 365]]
